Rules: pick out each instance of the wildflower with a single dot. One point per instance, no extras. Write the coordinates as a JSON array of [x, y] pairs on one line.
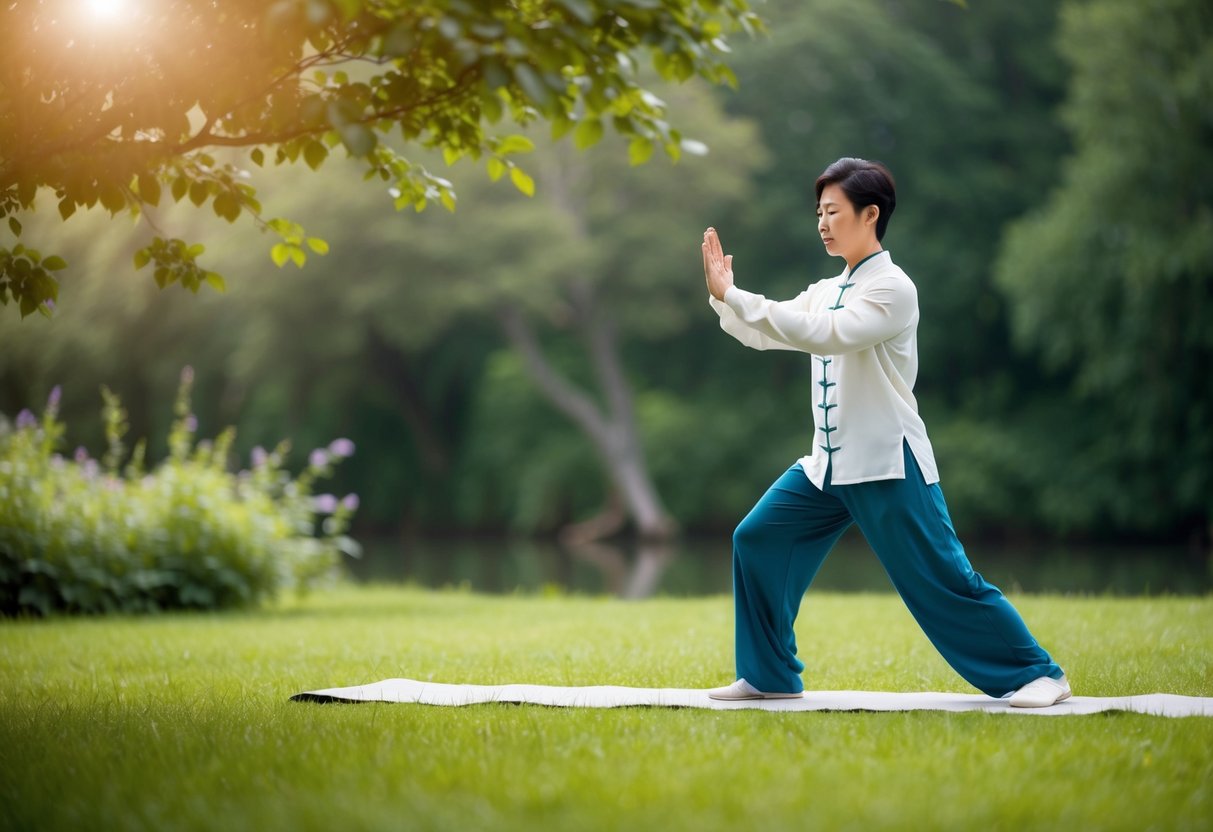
[[341, 448], [25, 419], [318, 458], [81, 455], [187, 374], [52, 401], [259, 456], [325, 503], [350, 502], [191, 423]]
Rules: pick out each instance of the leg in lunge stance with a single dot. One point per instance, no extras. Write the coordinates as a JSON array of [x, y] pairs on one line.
[[777, 550], [972, 624]]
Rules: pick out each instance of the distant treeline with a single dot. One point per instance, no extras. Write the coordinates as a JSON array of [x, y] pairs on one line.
[[1055, 211]]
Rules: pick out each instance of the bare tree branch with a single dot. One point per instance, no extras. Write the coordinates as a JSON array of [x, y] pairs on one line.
[[567, 398]]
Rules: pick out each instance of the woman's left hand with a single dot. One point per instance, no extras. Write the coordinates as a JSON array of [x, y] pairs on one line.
[[717, 266]]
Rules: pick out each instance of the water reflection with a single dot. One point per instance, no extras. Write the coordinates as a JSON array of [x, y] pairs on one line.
[[703, 567]]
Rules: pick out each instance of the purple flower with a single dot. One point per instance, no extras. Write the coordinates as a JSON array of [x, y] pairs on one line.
[[341, 448], [25, 419], [325, 503], [52, 401], [350, 502], [318, 458], [259, 456], [191, 423], [81, 455], [187, 374], [50, 304]]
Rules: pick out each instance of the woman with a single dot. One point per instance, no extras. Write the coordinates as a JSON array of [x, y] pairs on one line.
[[871, 464]]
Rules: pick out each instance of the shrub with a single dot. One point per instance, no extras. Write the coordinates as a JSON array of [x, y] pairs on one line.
[[88, 535]]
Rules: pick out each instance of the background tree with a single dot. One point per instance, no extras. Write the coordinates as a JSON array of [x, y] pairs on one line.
[[395, 342], [1111, 279], [109, 111]]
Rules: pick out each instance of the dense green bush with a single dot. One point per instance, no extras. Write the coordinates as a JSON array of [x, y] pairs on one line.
[[88, 535]]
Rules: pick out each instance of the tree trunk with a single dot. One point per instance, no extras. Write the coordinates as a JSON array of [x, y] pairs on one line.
[[614, 434]]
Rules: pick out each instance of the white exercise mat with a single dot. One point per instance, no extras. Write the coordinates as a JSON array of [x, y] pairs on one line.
[[608, 696]]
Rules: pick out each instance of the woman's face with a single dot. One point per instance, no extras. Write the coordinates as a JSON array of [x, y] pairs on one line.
[[846, 232]]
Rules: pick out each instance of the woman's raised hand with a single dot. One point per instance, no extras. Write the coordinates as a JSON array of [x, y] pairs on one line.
[[717, 266]]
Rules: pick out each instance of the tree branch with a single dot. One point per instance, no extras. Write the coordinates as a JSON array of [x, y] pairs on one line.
[[565, 396]]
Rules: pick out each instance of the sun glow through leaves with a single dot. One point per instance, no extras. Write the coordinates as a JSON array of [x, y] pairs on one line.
[[107, 10]]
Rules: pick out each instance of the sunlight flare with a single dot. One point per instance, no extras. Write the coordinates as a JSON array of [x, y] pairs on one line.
[[109, 10]]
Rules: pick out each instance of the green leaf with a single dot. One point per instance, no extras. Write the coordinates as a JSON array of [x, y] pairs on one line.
[[561, 125], [496, 168], [149, 189], [514, 144], [314, 154], [587, 134], [227, 207], [358, 139], [522, 182], [298, 256], [54, 263], [317, 245], [142, 258], [113, 199], [451, 155], [640, 150], [258, 156], [490, 106], [66, 207], [198, 193], [448, 200], [726, 75], [280, 254], [179, 187], [15, 226], [216, 281]]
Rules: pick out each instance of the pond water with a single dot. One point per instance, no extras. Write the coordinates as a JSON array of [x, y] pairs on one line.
[[699, 566]]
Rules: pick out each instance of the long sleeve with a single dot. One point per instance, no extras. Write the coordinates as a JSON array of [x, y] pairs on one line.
[[744, 333], [878, 311]]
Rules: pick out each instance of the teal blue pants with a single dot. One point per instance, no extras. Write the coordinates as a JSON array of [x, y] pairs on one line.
[[782, 542]]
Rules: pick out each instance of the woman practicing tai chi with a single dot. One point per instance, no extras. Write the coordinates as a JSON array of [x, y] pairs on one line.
[[871, 464]]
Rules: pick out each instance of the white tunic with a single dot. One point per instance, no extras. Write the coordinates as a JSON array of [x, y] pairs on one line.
[[862, 331]]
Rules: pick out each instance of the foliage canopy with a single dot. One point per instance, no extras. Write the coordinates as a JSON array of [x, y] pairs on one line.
[[118, 111]]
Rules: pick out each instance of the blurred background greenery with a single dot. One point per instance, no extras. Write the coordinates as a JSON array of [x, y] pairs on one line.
[[1055, 210]]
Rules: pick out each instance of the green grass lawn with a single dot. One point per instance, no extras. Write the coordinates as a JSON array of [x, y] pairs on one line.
[[183, 721]]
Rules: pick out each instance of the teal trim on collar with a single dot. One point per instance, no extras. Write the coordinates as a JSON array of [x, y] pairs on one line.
[[864, 260]]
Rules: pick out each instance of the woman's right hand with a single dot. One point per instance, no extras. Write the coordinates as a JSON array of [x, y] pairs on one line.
[[717, 266]]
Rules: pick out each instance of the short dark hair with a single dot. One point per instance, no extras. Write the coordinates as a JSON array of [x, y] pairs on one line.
[[865, 183]]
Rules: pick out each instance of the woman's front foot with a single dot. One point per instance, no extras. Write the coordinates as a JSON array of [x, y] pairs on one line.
[[1041, 693], [741, 689]]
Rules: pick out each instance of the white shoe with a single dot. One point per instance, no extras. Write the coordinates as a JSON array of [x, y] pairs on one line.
[[1041, 693], [741, 689]]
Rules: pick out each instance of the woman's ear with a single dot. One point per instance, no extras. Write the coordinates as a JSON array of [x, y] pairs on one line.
[[870, 214]]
